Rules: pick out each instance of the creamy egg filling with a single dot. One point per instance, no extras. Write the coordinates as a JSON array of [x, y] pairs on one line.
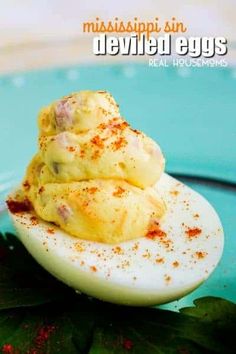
[[93, 174]]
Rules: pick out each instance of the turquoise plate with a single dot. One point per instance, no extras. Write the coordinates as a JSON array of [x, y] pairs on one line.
[[190, 112]]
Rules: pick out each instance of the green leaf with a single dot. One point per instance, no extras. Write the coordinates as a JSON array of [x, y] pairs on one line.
[[41, 316], [212, 308], [157, 331], [22, 281], [33, 332]]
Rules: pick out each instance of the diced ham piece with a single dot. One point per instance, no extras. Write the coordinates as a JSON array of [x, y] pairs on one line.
[[63, 114], [64, 212]]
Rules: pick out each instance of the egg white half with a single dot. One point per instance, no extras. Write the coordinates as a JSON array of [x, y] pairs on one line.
[[140, 272]]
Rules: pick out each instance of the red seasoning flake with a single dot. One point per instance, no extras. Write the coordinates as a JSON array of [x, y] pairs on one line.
[[118, 192], [93, 268], [102, 126], [120, 126], [118, 250], [155, 232], [70, 148], [96, 140], [175, 264], [92, 190], [16, 206], [119, 143], [34, 220], [128, 344], [50, 231], [200, 254], [193, 232]]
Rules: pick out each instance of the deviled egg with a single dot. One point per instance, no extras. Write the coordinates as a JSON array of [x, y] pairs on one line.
[[96, 210]]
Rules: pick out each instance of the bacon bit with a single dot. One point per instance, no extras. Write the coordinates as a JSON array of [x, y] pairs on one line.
[[118, 192], [93, 268], [78, 247], [34, 220], [26, 185], [128, 344], [8, 349], [92, 190], [200, 254], [96, 140], [50, 231], [70, 148], [175, 264], [118, 250], [175, 193], [41, 190], [160, 260], [119, 143], [16, 206], [193, 232]]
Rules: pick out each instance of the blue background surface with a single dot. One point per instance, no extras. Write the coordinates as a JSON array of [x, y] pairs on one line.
[[190, 112]]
